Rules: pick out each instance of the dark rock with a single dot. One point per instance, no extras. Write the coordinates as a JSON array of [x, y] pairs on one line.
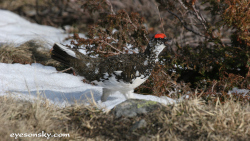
[[135, 107]]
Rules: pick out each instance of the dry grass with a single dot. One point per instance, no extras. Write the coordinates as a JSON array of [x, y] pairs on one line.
[[189, 120], [32, 51], [19, 116], [11, 54]]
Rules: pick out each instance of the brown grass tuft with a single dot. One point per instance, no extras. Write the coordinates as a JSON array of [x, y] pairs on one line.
[[32, 51], [11, 54]]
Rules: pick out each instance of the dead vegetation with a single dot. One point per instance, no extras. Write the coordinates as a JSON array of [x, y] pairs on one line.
[[210, 39], [59, 13], [18, 116], [189, 120], [33, 51], [212, 53]]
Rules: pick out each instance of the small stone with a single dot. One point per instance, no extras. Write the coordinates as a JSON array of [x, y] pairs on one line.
[[139, 124], [135, 107]]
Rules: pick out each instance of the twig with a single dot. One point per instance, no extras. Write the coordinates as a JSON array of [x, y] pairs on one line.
[[146, 38], [104, 52], [111, 7], [184, 24], [164, 73], [183, 5], [113, 39], [214, 85], [125, 46], [196, 13], [70, 68], [131, 21], [159, 14], [37, 7], [199, 17], [111, 46]]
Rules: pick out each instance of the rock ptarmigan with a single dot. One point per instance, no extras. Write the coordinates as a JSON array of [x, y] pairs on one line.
[[121, 73]]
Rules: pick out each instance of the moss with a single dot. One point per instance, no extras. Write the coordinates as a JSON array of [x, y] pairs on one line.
[[147, 103]]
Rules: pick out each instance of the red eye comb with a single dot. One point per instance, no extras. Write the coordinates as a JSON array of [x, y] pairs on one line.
[[160, 35]]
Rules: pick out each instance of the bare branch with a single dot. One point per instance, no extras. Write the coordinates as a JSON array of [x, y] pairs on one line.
[[113, 39], [146, 38], [104, 52], [184, 24], [196, 13], [104, 42], [111, 7], [159, 14], [125, 46], [199, 17], [183, 5], [131, 21]]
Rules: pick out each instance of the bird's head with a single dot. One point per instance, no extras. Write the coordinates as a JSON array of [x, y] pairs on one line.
[[157, 44], [161, 38]]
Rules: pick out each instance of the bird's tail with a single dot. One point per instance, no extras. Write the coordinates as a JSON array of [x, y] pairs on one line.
[[62, 54]]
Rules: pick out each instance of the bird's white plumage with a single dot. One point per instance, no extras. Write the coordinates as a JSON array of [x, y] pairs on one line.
[[125, 88], [159, 48]]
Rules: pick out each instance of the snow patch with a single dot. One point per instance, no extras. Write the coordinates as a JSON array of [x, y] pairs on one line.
[[137, 73]]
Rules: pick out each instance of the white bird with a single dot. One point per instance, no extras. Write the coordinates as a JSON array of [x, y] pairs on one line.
[[121, 73]]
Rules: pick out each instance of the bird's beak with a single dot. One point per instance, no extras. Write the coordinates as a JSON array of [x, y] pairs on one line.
[[167, 41]]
